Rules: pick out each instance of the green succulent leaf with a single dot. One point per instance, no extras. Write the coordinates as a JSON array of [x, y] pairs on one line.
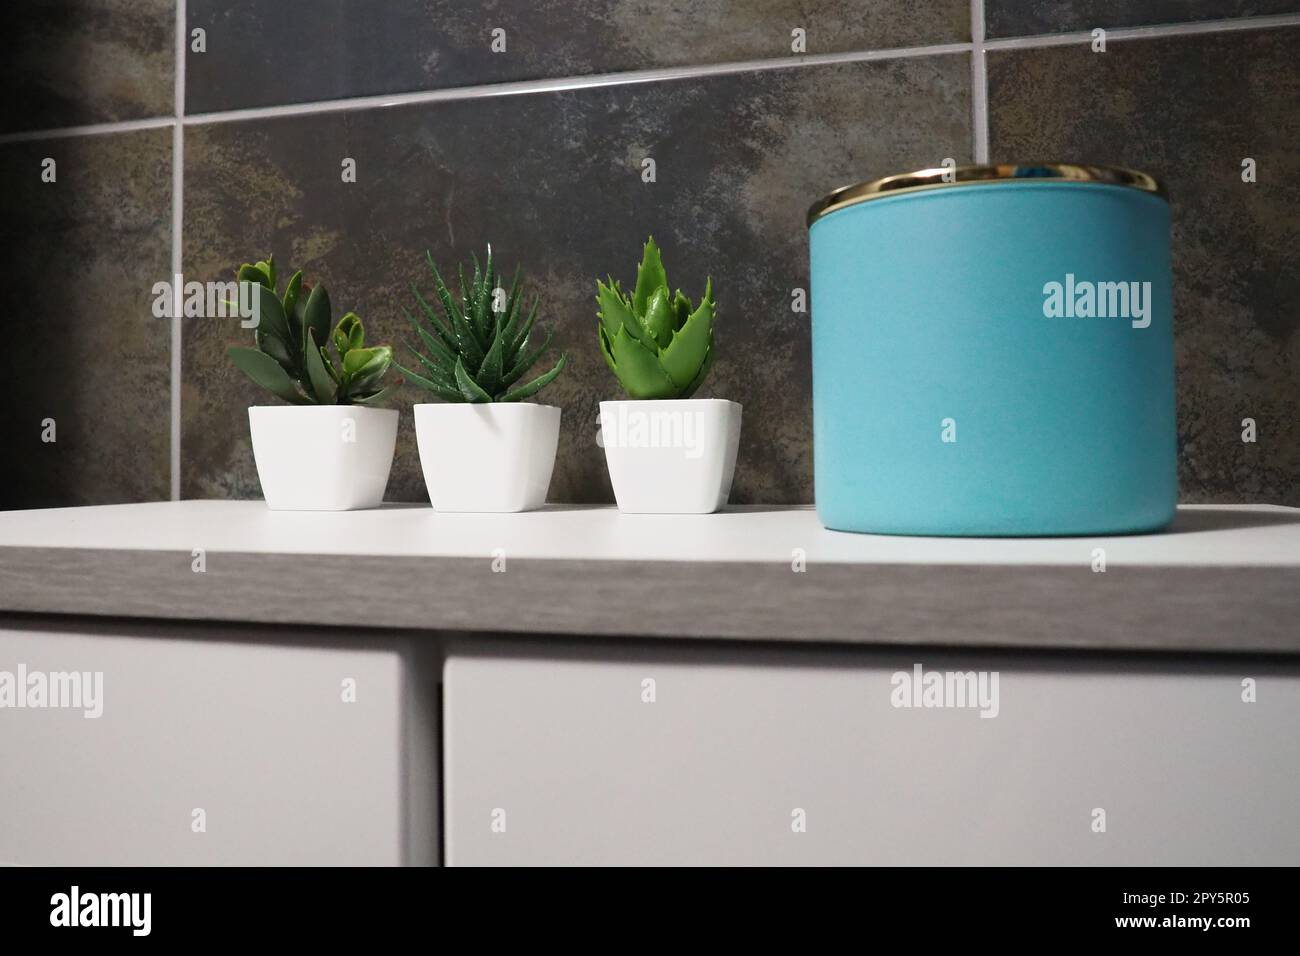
[[292, 335], [525, 362], [443, 391], [480, 350], [316, 317], [292, 292], [448, 335], [658, 320], [658, 346], [483, 301], [466, 340], [363, 368], [266, 372], [681, 310], [520, 341], [615, 311], [333, 370], [277, 350], [263, 273], [434, 344], [374, 398], [513, 302], [650, 276], [443, 375], [537, 384], [468, 387], [686, 353], [638, 369], [699, 379], [299, 316], [490, 373], [605, 349], [271, 320], [323, 381], [349, 334]]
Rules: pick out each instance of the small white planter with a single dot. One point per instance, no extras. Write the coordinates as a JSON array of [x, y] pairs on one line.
[[323, 457], [490, 457], [675, 456]]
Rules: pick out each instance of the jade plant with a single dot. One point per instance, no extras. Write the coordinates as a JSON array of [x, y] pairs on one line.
[[481, 346], [292, 359], [659, 344]]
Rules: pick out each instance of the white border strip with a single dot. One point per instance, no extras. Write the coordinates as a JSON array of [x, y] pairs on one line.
[[178, 222], [979, 85]]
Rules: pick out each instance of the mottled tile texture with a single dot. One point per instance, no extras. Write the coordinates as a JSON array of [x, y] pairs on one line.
[[72, 62], [1190, 109], [1027, 17], [262, 53], [80, 257], [554, 182]]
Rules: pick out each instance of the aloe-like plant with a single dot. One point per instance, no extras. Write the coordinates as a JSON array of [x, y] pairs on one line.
[[293, 334], [481, 346], [659, 345]]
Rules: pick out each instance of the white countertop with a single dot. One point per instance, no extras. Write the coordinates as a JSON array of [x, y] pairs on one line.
[[1220, 580], [1201, 536]]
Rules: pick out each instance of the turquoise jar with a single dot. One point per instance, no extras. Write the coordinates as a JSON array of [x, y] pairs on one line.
[[993, 353]]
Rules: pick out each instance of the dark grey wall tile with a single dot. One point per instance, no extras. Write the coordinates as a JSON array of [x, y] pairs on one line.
[[71, 62], [81, 256], [1003, 18], [1154, 105], [291, 51], [553, 181]]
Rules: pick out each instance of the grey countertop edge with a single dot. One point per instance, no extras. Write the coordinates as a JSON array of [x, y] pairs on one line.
[[1172, 608]]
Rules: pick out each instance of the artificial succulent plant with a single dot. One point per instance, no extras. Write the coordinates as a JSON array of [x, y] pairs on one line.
[[658, 344], [480, 347], [292, 358]]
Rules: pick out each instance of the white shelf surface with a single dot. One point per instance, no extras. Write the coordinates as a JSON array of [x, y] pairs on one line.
[[1220, 580], [1201, 536]]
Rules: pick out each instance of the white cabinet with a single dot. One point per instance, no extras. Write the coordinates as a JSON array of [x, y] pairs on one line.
[[554, 755], [216, 746]]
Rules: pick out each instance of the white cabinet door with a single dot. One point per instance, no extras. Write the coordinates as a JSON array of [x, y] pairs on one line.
[[559, 755], [215, 746]]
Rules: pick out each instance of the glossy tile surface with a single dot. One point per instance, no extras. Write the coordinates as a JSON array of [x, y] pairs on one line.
[[1027, 17], [74, 62], [81, 256], [357, 48]]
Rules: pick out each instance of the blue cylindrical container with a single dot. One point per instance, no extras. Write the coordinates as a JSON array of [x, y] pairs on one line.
[[993, 353]]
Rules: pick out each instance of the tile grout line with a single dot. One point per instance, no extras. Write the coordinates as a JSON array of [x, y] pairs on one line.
[[565, 84], [92, 129], [649, 76], [979, 84], [178, 220]]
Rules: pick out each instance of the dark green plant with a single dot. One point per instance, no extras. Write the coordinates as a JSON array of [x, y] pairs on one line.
[[658, 345], [477, 352], [292, 358]]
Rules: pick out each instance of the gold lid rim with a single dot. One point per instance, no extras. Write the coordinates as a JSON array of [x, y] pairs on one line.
[[942, 178]]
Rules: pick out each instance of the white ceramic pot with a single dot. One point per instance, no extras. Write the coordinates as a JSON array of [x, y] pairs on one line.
[[673, 456], [489, 457], [322, 457]]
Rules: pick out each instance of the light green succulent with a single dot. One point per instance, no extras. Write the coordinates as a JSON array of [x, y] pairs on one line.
[[292, 358], [659, 345], [481, 346]]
